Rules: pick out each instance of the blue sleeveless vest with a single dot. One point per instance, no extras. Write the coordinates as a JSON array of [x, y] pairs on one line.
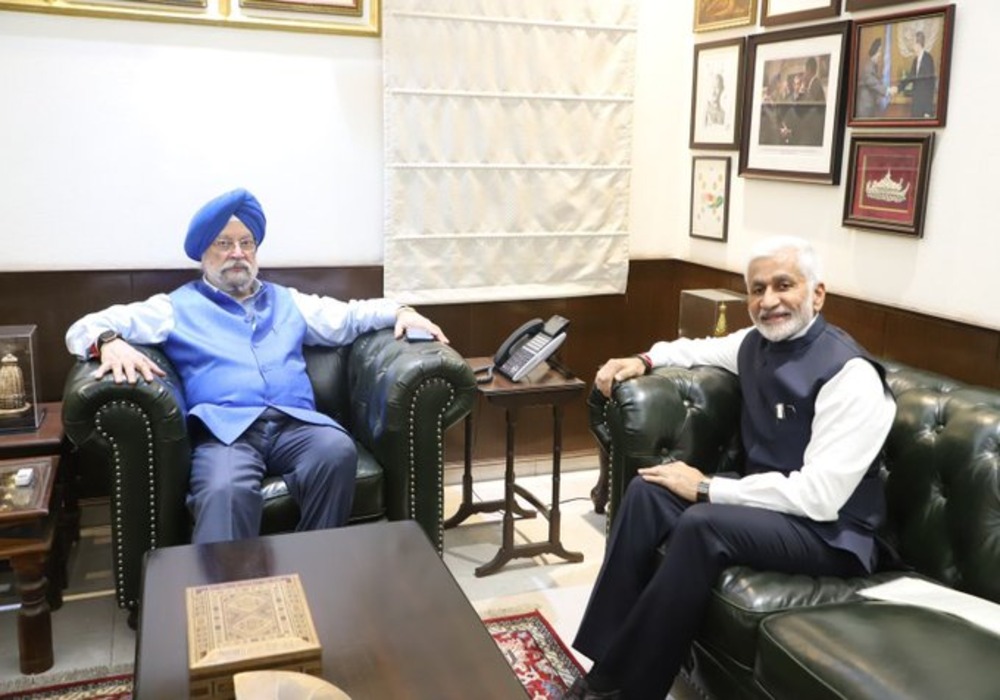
[[780, 383], [235, 363]]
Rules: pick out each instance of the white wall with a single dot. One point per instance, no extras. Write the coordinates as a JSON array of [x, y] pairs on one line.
[[112, 133], [948, 273]]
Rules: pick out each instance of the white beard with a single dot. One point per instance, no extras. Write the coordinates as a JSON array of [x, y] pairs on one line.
[[797, 321]]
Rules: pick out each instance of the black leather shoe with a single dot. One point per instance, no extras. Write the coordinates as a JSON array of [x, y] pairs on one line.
[[581, 690]]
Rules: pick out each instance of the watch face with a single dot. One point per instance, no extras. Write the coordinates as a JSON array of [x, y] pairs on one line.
[[106, 337]]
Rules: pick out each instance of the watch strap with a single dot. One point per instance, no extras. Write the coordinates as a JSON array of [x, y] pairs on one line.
[[703, 491]]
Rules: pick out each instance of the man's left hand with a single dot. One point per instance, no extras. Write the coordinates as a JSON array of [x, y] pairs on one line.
[[676, 476], [408, 317]]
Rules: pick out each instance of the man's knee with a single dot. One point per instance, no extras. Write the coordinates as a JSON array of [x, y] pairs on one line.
[[340, 449], [334, 451]]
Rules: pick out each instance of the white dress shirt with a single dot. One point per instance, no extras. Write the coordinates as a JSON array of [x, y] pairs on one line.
[[328, 321], [854, 413]]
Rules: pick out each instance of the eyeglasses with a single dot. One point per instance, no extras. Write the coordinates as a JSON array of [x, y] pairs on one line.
[[225, 245]]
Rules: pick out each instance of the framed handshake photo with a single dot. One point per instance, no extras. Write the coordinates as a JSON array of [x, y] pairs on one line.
[[900, 68]]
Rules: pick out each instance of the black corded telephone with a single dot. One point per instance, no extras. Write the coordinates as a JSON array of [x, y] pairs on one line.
[[529, 346]]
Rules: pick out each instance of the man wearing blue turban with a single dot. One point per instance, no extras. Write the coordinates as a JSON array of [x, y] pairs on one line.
[[236, 343]]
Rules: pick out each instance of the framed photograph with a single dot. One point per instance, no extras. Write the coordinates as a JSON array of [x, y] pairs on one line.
[[722, 14], [859, 5], [717, 95], [776, 12], [710, 197], [793, 127], [348, 8], [888, 175], [899, 69], [347, 17]]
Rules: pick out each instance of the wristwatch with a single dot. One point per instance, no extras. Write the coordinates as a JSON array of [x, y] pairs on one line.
[[703, 491], [105, 338]]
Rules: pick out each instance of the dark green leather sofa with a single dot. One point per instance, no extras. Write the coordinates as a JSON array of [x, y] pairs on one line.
[[396, 398], [773, 635]]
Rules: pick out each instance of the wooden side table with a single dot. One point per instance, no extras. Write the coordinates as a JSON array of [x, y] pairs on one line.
[[552, 386], [27, 532]]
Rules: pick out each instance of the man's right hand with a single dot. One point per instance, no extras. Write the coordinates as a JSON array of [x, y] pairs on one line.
[[618, 370], [126, 363]]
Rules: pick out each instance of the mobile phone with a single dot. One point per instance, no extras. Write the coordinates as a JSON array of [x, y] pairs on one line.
[[418, 335]]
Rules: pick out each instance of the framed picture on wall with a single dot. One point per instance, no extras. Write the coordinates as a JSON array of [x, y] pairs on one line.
[[776, 12], [858, 5], [888, 176], [722, 14], [793, 127], [717, 95], [899, 69], [710, 197]]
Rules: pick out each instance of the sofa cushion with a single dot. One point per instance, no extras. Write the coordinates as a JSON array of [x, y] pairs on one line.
[[874, 650], [744, 597]]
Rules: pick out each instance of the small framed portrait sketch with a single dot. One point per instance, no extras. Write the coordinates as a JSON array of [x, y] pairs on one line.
[[790, 11], [793, 127], [716, 14], [888, 176], [717, 95], [899, 69], [710, 197]]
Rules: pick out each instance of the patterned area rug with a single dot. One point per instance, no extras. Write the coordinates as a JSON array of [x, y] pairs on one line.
[[117, 687], [543, 664]]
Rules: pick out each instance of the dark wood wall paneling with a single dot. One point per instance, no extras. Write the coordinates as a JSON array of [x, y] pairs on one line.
[[602, 327]]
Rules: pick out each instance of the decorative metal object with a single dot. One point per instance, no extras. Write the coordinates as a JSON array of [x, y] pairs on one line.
[[13, 400]]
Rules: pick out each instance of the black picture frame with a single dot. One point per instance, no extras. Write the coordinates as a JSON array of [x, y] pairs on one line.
[[717, 95], [900, 69], [861, 5], [793, 125], [710, 180], [888, 180]]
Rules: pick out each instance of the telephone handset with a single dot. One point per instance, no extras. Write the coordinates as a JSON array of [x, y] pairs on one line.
[[529, 346]]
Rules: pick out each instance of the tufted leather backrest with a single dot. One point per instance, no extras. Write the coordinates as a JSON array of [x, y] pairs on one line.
[[942, 459], [327, 370]]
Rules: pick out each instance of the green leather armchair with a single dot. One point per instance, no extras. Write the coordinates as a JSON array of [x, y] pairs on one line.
[[772, 635], [396, 399]]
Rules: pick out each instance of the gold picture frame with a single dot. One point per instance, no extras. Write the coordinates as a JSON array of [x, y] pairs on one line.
[[346, 17], [723, 14]]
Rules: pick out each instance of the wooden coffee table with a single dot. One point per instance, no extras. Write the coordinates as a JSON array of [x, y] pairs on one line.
[[392, 621]]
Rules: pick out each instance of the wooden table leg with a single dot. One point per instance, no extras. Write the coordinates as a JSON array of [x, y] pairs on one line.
[[506, 551], [467, 507], [34, 621]]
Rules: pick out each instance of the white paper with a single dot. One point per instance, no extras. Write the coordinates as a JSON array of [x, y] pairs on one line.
[[914, 591]]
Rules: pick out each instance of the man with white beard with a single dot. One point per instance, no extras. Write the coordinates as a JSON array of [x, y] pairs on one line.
[[815, 413]]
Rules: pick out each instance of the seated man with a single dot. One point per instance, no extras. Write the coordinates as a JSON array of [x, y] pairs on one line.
[[816, 411], [236, 343]]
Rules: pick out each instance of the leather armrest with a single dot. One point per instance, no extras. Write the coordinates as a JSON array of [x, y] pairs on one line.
[[403, 396], [689, 414], [138, 433]]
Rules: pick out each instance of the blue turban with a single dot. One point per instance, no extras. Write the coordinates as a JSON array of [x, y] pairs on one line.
[[208, 222]]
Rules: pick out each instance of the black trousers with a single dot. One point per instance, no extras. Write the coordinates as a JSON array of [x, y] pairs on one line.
[[644, 613]]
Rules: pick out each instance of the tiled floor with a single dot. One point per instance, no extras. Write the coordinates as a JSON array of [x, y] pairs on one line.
[[89, 631]]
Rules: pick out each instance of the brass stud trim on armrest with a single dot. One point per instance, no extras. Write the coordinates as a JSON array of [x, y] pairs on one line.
[[412, 456], [117, 523]]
